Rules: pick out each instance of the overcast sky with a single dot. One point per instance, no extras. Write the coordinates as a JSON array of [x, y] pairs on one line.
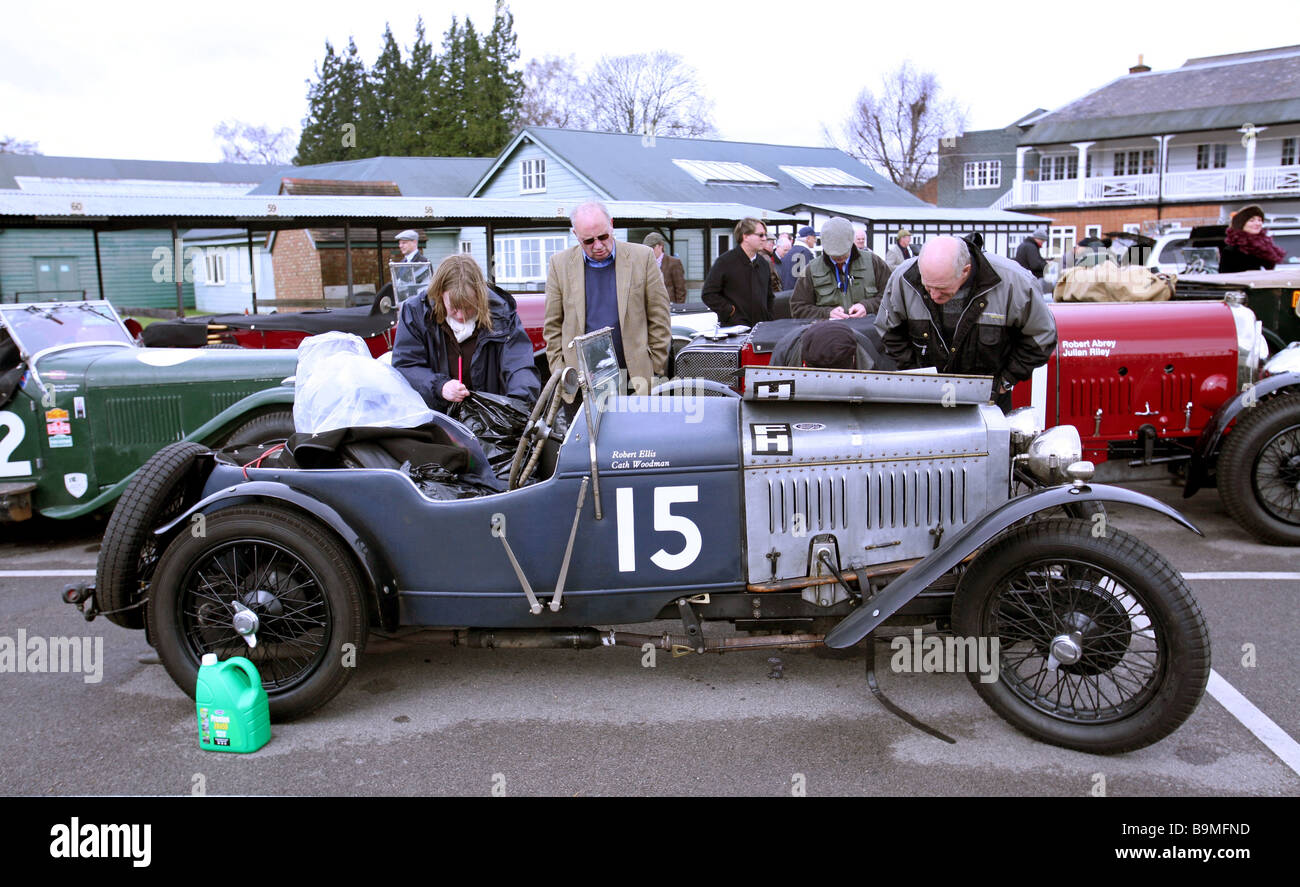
[[150, 80]]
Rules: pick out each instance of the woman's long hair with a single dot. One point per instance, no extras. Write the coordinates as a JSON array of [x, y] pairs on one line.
[[460, 277]]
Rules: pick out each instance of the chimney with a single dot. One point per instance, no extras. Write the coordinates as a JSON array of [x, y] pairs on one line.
[[1139, 68]]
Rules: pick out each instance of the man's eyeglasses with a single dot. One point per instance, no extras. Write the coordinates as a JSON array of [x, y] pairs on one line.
[[590, 240]]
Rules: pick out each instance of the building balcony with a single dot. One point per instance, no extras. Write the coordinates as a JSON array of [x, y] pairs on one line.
[[1201, 184]]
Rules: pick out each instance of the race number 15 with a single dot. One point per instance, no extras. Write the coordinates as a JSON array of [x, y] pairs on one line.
[[665, 522]]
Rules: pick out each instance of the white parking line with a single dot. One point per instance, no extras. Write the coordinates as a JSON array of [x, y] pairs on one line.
[[1255, 721], [37, 574], [1246, 575]]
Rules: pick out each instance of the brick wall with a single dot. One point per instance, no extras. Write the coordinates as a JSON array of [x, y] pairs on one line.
[[1115, 218], [366, 267], [297, 267]]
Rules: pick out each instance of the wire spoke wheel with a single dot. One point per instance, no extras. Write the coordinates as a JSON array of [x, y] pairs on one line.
[[1259, 470], [283, 574], [1101, 647], [1277, 476]]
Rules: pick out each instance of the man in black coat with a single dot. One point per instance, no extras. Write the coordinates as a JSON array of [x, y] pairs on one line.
[[739, 285], [1028, 255]]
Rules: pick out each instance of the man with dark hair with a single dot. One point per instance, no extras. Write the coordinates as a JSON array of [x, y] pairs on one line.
[[966, 311], [843, 282], [739, 287], [670, 265]]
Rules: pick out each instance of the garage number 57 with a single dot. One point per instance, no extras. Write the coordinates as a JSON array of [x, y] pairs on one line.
[[664, 522]]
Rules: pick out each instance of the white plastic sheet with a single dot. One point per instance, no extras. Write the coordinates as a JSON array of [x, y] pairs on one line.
[[339, 385]]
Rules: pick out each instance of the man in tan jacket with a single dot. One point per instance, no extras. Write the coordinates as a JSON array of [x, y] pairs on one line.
[[602, 282]]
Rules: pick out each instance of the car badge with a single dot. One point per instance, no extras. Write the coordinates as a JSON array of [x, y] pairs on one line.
[[76, 484]]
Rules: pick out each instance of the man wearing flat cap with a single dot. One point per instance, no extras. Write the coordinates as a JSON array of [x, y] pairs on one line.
[[844, 282], [901, 251], [670, 266], [1029, 255], [409, 243]]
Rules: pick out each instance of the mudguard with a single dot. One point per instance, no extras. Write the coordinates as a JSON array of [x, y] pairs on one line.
[[382, 586], [1207, 445], [869, 616]]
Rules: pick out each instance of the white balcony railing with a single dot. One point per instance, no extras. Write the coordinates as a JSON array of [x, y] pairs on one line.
[[1202, 183]]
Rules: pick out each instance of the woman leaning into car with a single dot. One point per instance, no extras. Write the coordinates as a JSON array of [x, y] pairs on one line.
[[463, 337], [1248, 246]]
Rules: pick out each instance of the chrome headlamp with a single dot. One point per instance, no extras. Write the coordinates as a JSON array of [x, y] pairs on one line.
[[1053, 451], [1285, 361]]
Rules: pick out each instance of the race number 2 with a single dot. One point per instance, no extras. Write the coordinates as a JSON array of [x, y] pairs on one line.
[[14, 432], [665, 522]]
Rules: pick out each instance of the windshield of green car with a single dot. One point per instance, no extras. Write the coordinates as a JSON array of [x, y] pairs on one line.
[[43, 325], [601, 378]]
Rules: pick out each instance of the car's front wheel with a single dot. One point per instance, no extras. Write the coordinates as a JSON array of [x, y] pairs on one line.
[[1101, 647], [296, 580], [1259, 471]]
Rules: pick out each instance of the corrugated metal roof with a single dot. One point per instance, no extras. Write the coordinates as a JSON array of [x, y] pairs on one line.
[[631, 166], [415, 176], [17, 206], [107, 169], [925, 213], [1211, 93]]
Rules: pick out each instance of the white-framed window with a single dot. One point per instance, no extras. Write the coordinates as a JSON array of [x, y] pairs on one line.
[[983, 174], [1059, 166], [1132, 163], [1060, 240], [532, 175], [1289, 151], [523, 258], [216, 267], [467, 246], [1211, 156], [1092, 231]]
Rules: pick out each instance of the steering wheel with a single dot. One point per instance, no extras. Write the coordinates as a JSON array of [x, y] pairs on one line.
[[1196, 266], [537, 430], [689, 387]]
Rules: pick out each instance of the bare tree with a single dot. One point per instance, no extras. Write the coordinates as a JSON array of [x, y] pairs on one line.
[[244, 143], [648, 93], [11, 145], [552, 93], [897, 131]]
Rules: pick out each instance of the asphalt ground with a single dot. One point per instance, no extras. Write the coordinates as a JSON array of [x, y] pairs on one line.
[[424, 719]]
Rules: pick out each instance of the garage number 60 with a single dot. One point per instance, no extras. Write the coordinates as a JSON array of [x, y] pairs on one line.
[[665, 522]]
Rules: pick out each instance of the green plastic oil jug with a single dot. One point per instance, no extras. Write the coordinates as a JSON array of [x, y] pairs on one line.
[[232, 707]]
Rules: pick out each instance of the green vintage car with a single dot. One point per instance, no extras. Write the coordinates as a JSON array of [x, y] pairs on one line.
[[82, 406]]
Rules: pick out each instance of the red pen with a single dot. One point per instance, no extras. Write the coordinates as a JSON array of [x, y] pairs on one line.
[[460, 368]]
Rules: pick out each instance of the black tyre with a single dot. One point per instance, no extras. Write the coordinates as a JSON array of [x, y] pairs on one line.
[[127, 558], [1101, 647], [297, 579], [1259, 471], [268, 428]]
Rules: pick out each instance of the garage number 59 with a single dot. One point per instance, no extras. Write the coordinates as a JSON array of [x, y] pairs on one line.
[[665, 522]]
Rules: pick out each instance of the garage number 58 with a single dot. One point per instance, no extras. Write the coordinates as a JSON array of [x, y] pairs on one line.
[[664, 522]]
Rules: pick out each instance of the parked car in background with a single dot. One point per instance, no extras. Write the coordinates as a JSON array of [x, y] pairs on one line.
[[82, 405], [1196, 251], [280, 330]]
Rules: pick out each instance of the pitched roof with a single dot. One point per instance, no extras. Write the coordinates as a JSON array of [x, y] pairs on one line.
[[1215, 92], [624, 166], [84, 172], [413, 176]]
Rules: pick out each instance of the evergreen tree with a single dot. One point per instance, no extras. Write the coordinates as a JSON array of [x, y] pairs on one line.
[[499, 87], [318, 127], [386, 84]]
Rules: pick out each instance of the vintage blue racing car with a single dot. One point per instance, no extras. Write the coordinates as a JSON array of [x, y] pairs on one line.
[[818, 507]]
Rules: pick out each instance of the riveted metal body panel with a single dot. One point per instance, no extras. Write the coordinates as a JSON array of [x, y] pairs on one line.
[[854, 386], [884, 479]]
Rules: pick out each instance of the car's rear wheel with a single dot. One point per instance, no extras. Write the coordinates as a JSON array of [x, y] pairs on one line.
[[269, 428], [1101, 646], [1259, 471], [297, 580], [127, 558]]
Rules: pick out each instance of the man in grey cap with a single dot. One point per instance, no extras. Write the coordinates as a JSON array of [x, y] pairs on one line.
[[901, 251], [844, 282], [797, 260], [409, 243], [1028, 254], [670, 266]]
